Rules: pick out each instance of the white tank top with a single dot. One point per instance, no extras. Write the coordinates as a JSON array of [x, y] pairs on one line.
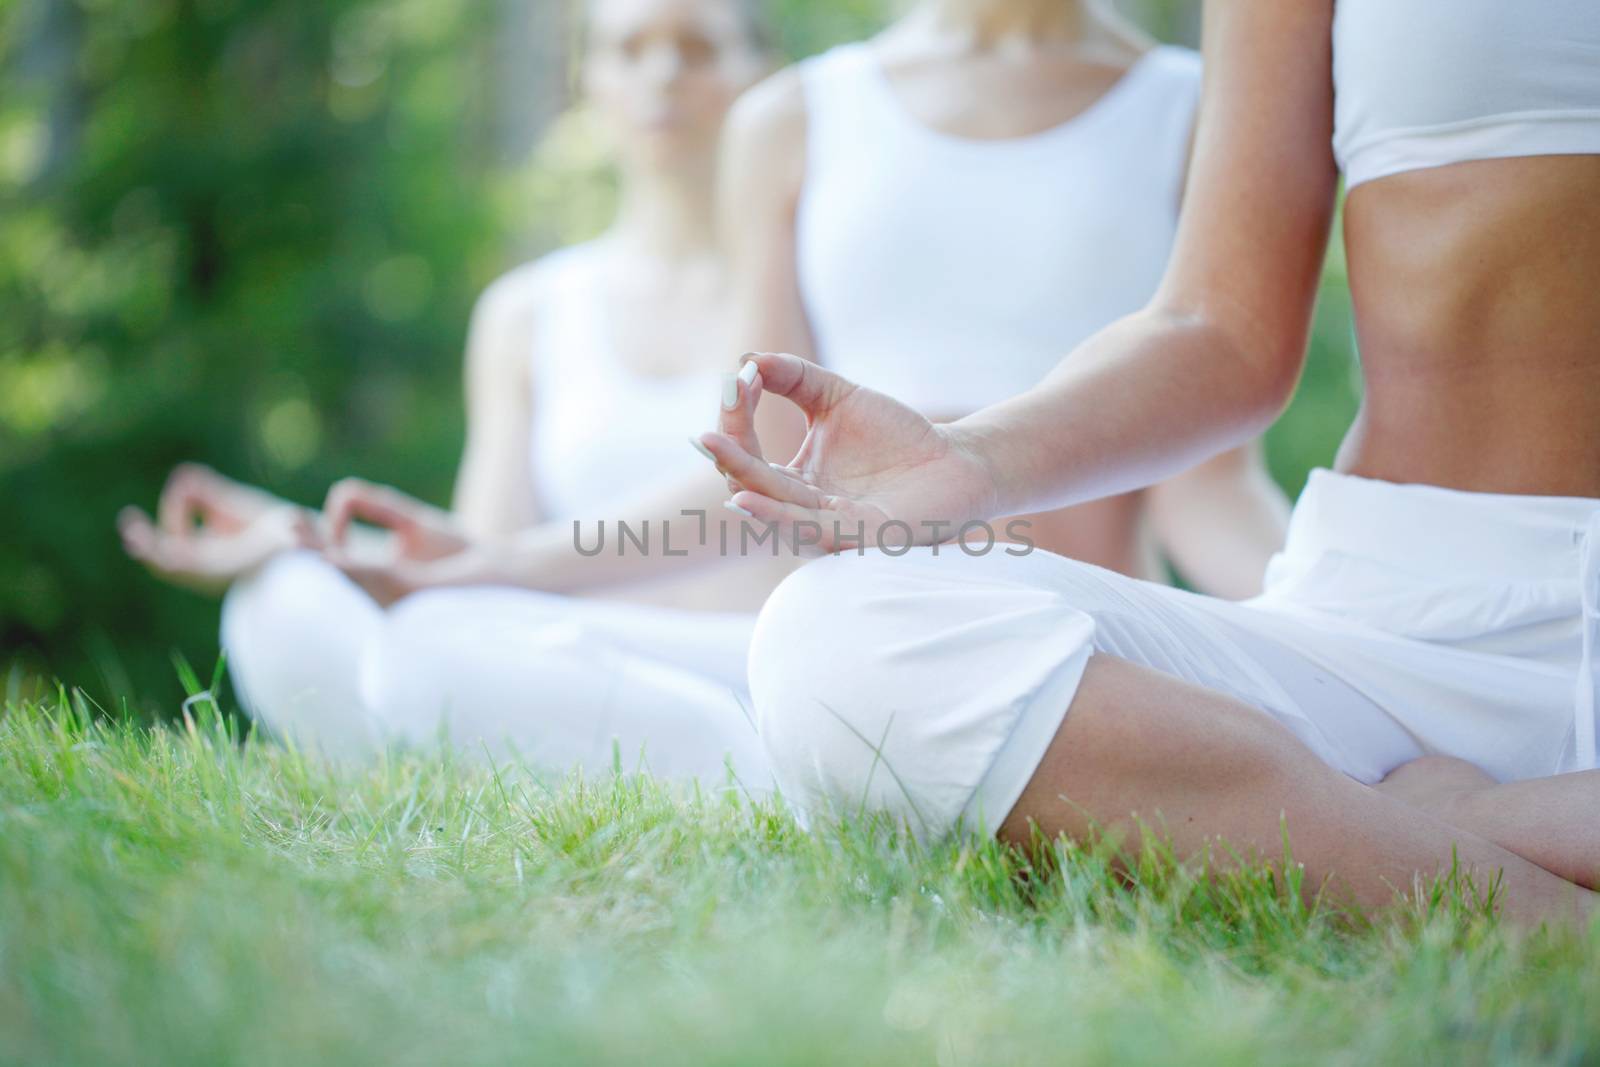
[[1425, 83], [952, 273], [602, 433]]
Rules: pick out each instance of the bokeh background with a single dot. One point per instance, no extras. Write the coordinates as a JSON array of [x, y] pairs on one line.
[[251, 231]]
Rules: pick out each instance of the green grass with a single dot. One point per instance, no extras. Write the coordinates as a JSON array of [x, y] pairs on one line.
[[178, 896]]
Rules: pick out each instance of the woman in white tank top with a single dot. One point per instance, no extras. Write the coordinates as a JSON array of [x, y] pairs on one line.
[[1416, 694], [625, 333], [941, 212]]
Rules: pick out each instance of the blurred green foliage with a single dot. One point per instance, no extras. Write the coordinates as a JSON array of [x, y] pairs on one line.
[[244, 230], [250, 232]]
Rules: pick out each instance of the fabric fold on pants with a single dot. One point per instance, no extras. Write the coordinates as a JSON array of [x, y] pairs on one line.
[[561, 683], [1586, 704], [1399, 621]]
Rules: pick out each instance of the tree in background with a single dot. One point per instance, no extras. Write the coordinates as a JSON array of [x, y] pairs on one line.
[[235, 229]]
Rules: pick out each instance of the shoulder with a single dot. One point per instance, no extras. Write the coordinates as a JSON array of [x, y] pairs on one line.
[[780, 108], [512, 296], [773, 125], [765, 142], [506, 314], [513, 300], [773, 112]]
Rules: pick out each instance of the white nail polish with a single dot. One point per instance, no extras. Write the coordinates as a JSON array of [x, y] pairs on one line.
[[737, 510], [730, 391], [747, 374], [702, 449]]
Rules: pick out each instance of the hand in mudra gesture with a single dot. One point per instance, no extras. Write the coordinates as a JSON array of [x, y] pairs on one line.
[[422, 546], [209, 530], [868, 463]]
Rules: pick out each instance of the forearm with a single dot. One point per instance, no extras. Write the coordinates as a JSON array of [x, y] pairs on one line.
[[493, 518], [1149, 397], [668, 533]]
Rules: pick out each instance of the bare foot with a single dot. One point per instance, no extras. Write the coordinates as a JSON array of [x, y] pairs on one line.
[[1433, 782], [1547, 821]]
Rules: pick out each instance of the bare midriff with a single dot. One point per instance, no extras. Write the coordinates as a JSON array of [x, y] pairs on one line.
[[1477, 296]]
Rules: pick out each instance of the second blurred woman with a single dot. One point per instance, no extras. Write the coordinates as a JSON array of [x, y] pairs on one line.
[[585, 372]]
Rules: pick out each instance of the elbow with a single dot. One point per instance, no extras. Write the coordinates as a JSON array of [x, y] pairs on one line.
[[1273, 379], [1270, 353], [1254, 343], [1260, 364]]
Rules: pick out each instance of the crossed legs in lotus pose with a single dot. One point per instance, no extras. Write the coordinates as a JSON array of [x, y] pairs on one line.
[[1141, 748]]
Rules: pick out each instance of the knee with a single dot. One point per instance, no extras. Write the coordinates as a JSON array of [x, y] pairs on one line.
[[795, 633], [817, 672], [890, 685], [1434, 782], [811, 659], [295, 632], [288, 588], [294, 599]]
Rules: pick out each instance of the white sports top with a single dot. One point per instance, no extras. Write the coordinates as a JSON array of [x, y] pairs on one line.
[[602, 432], [952, 273], [1425, 83]]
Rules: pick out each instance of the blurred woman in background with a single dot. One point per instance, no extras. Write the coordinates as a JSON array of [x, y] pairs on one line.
[[1030, 235], [940, 212], [585, 372]]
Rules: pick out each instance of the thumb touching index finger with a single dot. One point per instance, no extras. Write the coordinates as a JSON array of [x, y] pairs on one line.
[[813, 389], [354, 500], [738, 419]]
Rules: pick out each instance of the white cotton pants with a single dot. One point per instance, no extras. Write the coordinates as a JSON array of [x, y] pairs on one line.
[[1398, 621], [561, 682]]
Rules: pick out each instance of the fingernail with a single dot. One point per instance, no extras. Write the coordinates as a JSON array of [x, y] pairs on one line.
[[702, 449], [730, 392], [737, 510], [747, 374], [747, 357]]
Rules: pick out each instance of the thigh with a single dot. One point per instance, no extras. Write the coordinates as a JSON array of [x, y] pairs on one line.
[[534, 676], [711, 645], [1307, 678], [1138, 747]]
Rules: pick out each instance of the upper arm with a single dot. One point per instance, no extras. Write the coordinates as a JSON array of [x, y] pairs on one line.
[[494, 495], [762, 171], [1260, 195]]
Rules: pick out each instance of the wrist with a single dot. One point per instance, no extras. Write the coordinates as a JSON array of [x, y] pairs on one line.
[[978, 450], [542, 557], [472, 565]]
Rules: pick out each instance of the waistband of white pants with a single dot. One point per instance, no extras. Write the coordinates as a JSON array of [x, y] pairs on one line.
[[1432, 531], [1429, 530]]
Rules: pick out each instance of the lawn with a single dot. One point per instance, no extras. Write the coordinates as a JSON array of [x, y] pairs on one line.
[[181, 895]]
